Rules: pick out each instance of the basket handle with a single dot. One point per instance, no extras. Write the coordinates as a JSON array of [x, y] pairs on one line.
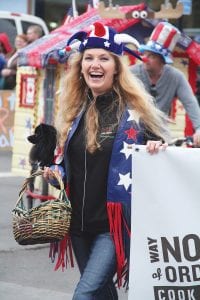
[[39, 173]]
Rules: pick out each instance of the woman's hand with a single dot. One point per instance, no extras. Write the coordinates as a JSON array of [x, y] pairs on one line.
[[7, 72], [48, 173], [154, 146], [196, 138]]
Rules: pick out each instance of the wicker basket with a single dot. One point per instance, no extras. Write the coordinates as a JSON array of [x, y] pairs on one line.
[[47, 222]]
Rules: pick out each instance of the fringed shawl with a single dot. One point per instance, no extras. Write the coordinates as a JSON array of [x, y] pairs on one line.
[[119, 189]]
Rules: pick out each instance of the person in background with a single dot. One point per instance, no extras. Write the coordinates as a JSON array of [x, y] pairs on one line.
[[33, 33], [9, 72], [2, 58], [5, 52], [21, 41], [164, 81], [104, 112]]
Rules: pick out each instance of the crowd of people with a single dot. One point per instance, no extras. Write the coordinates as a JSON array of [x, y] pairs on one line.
[[9, 54]]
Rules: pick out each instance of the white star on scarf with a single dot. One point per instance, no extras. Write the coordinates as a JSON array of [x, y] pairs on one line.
[[125, 180], [127, 149], [133, 115]]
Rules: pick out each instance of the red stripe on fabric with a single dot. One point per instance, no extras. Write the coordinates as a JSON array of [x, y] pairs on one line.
[[50, 43], [192, 72], [193, 51], [115, 221], [34, 56], [157, 32], [61, 254], [173, 110], [53, 250], [69, 255], [41, 197], [64, 252], [44, 46], [169, 39], [67, 190], [126, 226]]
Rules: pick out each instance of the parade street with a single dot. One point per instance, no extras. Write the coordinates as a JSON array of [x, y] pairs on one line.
[[26, 272]]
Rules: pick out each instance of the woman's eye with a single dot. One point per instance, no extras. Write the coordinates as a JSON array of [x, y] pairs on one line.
[[88, 58]]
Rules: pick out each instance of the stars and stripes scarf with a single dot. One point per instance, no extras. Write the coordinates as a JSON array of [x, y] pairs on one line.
[[120, 186]]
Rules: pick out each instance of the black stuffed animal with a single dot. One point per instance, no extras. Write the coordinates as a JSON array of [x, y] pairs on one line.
[[44, 140]]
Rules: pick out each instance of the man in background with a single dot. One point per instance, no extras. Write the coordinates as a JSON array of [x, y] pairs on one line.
[[163, 81], [33, 33]]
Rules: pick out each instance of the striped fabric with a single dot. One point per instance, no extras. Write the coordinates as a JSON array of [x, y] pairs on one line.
[[165, 35]]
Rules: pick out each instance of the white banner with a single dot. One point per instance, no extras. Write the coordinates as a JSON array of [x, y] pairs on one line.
[[165, 241]]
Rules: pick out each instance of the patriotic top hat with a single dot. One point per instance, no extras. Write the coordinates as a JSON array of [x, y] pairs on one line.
[[162, 41], [104, 37]]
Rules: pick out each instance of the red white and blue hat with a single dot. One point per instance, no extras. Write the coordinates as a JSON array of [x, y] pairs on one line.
[[104, 37], [162, 41]]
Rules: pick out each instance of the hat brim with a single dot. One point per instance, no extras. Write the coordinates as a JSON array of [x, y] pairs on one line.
[[167, 59]]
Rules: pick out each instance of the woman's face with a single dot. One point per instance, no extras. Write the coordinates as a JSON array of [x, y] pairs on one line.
[[20, 42], [98, 69]]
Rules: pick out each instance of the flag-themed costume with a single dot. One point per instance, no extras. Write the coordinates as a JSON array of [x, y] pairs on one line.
[[103, 37], [98, 176], [162, 41], [130, 131]]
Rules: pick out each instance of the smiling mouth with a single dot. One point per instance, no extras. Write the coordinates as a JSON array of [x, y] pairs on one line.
[[96, 76]]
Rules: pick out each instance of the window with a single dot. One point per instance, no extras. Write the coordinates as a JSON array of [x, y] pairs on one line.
[[26, 24], [49, 94], [27, 90], [8, 26]]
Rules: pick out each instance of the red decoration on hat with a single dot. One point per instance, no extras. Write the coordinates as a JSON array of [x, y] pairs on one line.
[[68, 48], [99, 29], [96, 37]]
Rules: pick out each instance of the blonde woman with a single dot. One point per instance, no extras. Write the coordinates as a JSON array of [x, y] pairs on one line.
[[104, 111]]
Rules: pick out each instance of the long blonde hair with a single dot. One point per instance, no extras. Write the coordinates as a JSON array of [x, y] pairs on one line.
[[129, 90]]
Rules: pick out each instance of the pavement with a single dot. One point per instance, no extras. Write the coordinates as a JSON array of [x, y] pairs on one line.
[[26, 272]]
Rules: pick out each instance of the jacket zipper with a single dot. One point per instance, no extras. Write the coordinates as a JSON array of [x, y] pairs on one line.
[[84, 188]]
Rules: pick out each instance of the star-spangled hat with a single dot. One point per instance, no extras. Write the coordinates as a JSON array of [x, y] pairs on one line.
[[162, 41], [104, 37]]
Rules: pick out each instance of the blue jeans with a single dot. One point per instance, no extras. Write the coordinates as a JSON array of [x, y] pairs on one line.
[[96, 259]]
